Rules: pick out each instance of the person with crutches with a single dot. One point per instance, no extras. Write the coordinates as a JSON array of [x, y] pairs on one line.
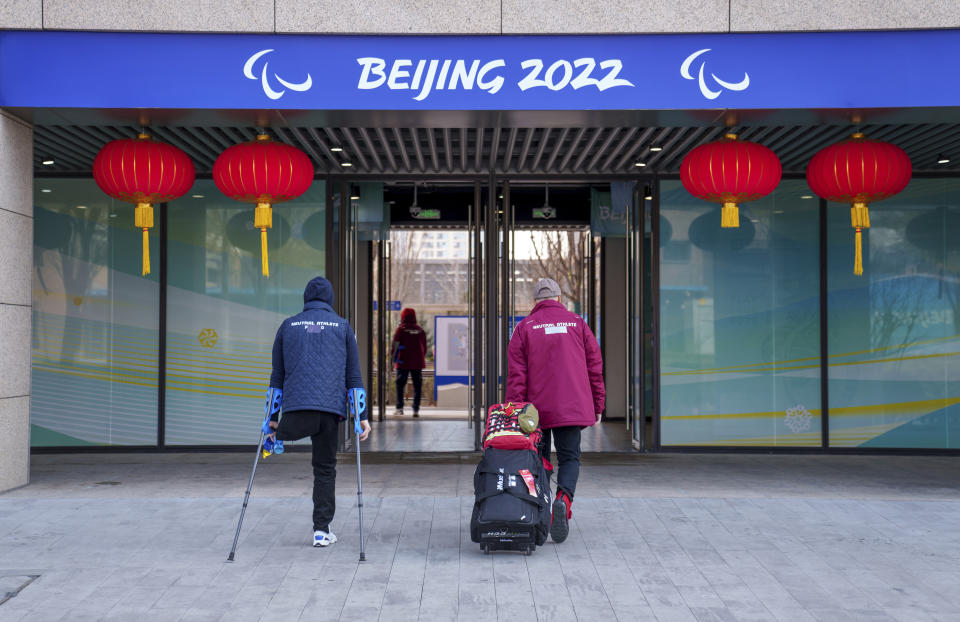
[[316, 366]]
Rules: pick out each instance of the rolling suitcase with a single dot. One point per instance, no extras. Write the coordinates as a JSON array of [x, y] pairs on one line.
[[511, 510]]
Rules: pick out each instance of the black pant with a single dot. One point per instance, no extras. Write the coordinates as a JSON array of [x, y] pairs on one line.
[[324, 432], [567, 442], [417, 376]]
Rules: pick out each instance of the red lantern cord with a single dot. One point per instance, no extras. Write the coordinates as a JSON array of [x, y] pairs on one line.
[[143, 171], [730, 171], [859, 171], [263, 172]]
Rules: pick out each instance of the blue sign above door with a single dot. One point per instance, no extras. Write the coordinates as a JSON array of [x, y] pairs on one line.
[[562, 72]]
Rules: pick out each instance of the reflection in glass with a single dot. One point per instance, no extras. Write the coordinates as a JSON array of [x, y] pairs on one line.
[[222, 313], [739, 329], [95, 321], [894, 332]]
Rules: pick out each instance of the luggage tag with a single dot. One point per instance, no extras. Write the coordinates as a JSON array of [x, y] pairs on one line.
[[528, 478]]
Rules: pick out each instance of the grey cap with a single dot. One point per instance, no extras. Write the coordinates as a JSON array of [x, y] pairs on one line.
[[545, 288]]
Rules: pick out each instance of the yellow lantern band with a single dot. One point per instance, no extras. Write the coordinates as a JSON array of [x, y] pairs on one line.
[[263, 220], [729, 216], [860, 215], [143, 219]]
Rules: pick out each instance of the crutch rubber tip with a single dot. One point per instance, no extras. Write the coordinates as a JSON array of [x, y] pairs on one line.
[[230, 557], [363, 557]]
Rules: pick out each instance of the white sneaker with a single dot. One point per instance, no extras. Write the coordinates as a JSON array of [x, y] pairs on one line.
[[323, 538], [398, 411]]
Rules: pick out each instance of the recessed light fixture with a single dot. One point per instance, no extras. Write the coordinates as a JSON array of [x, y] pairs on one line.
[[197, 196], [47, 162], [806, 196], [499, 196], [655, 149], [649, 197], [754, 220], [113, 215], [355, 197], [942, 159], [336, 149], [346, 164], [778, 211], [639, 163], [81, 207], [46, 190]]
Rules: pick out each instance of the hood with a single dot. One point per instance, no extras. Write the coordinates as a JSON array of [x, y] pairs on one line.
[[408, 316], [320, 289]]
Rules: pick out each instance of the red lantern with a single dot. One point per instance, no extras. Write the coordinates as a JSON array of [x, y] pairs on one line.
[[143, 171], [859, 171], [263, 172], [730, 171]]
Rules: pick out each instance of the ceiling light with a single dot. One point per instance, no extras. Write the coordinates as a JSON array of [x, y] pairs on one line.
[[197, 196], [778, 211], [649, 197], [346, 164], [754, 220], [336, 149], [81, 207], [355, 197], [640, 164], [806, 196], [113, 215], [656, 149], [47, 162], [942, 159], [499, 196], [46, 190]]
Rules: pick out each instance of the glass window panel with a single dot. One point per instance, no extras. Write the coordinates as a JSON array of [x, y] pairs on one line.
[[95, 320], [739, 321], [893, 332], [223, 314]]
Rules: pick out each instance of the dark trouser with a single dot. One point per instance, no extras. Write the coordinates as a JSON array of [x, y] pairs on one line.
[[324, 432], [417, 376], [567, 442]]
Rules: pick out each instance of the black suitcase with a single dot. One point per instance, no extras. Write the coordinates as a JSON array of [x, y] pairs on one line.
[[506, 516]]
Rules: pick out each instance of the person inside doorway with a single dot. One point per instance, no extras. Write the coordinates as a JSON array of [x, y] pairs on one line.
[[315, 364], [408, 354], [554, 362]]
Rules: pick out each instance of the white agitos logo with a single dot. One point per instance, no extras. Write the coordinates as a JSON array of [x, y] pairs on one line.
[[707, 92], [265, 81]]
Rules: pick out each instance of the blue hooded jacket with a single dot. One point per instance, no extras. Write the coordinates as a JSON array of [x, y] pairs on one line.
[[315, 359]]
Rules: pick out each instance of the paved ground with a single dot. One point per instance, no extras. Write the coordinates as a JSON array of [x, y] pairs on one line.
[[664, 537]]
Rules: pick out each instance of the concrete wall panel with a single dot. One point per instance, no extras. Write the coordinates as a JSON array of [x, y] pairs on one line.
[[16, 257], [15, 353], [160, 15], [608, 16], [778, 15], [21, 14], [16, 167], [389, 16], [15, 432]]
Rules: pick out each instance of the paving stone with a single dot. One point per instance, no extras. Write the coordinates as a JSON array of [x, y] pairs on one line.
[[867, 544]]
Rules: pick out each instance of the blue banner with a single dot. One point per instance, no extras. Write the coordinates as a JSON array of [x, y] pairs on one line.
[[562, 72]]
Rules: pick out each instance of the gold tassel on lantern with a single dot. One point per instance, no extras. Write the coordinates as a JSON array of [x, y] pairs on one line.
[[143, 219], [263, 220], [860, 219], [729, 216]]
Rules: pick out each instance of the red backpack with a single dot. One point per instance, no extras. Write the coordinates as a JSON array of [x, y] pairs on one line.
[[506, 423]]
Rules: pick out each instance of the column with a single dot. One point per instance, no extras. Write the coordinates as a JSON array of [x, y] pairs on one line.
[[16, 304]]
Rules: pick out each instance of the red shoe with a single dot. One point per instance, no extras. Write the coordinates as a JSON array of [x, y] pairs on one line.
[[560, 518]]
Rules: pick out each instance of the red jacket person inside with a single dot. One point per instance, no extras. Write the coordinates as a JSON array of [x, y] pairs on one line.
[[409, 356], [555, 363]]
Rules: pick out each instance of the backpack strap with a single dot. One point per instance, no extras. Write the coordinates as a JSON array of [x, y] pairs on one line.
[[516, 492]]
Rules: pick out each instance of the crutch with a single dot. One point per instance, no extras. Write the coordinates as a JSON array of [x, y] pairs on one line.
[[358, 402], [273, 403]]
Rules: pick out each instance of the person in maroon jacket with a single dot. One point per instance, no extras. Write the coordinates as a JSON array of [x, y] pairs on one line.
[[408, 354], [555, 363]]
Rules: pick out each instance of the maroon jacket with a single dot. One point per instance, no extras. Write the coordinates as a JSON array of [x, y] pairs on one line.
[[555, 363], [412, 340]]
